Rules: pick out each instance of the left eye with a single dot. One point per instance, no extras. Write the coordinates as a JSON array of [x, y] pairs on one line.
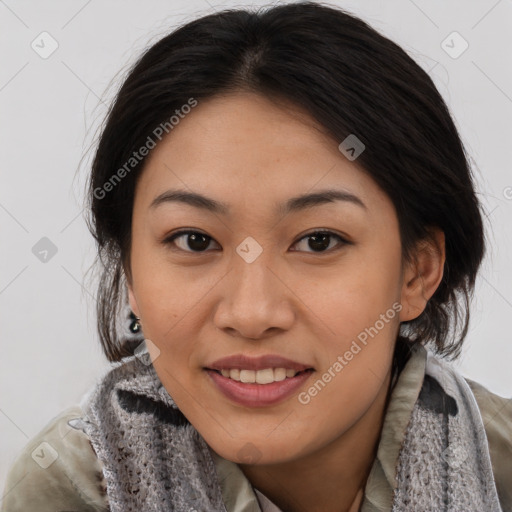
[[320, 241], [196, 240]]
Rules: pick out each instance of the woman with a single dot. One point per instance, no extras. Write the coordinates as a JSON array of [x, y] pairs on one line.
[[284, 202]]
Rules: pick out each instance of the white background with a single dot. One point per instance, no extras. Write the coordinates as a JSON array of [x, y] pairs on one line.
[[51, 107]]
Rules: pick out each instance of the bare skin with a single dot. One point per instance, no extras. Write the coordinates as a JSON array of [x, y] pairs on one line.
[[291, 485], [293, 300]]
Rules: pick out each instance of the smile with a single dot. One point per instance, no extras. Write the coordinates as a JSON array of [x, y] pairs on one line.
[[257, 381], [265, 376]]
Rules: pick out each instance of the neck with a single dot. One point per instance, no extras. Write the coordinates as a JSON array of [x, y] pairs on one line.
[[331, 479]]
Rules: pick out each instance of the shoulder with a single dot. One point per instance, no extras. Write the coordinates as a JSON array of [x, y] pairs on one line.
[[496, 414], [56, 470]]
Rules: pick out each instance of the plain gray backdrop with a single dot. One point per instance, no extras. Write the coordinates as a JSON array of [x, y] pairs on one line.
[[57, 59]]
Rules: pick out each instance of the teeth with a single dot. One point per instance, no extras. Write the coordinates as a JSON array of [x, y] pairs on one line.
[[265, 376], [279, 374], [234, 374], [247, 376]]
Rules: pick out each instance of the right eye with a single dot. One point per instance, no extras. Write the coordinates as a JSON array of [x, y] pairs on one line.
[[189, 241]]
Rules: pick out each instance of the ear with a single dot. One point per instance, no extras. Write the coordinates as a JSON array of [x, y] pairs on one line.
[[422, 275], [131, 296], [133, 301]]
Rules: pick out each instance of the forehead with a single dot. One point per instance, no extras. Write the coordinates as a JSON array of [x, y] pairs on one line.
[[245, 145]]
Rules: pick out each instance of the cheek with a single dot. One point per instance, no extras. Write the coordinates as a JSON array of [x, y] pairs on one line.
[[166, 294], [356, 319], [354, 293], [360, 320]]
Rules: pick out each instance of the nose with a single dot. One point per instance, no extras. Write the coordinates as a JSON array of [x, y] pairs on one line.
[[255, 302]]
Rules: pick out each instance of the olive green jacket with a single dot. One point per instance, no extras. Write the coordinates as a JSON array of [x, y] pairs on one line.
[[59, 471]]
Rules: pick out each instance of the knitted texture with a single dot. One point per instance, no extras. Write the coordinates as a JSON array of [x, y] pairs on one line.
[[444, 464], [155, 460]]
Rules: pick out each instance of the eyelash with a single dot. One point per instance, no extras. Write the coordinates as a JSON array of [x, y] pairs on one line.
[[342, 241]]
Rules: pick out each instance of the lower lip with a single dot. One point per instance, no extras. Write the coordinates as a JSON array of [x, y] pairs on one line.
[[258, 395]]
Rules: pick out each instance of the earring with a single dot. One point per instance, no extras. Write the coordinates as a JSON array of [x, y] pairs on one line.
[[135, 325]]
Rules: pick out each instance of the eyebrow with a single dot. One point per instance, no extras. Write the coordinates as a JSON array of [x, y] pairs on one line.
[[294, 204]]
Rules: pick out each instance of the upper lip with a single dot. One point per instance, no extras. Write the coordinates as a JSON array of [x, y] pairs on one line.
[[244, 362]]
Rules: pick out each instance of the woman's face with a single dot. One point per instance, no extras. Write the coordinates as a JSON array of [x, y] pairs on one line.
[[254, 280]]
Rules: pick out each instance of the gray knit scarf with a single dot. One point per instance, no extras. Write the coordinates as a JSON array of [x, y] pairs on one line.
[[155, 460]]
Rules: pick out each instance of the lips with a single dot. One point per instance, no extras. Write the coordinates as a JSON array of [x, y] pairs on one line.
[[243, 362], [235, 377]]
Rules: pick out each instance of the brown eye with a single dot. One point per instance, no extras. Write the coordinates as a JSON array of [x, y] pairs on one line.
[[320, 241], [189, 241]]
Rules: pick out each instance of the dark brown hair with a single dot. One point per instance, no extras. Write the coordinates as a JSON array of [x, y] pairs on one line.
[[351, 80]]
